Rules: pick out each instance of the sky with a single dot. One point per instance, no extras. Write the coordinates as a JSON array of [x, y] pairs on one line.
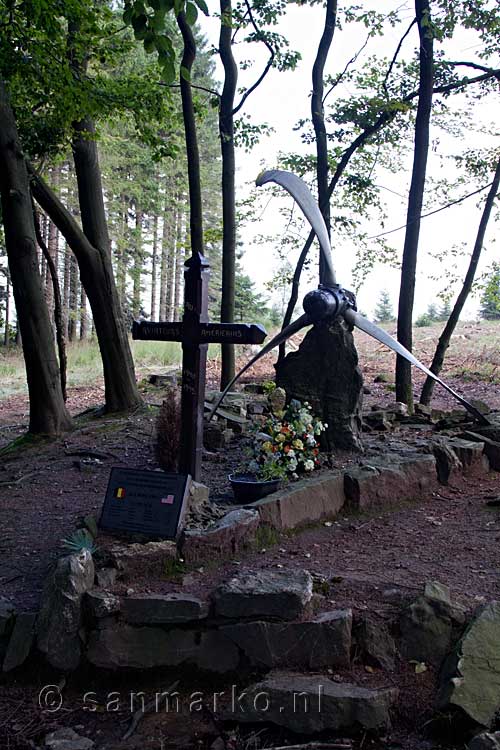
[[283, 99]]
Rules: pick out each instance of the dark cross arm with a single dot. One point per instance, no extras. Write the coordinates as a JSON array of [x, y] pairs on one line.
[[206, 333]]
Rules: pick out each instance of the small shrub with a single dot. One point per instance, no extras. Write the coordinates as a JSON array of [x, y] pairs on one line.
[[80, 540], [168, 431]]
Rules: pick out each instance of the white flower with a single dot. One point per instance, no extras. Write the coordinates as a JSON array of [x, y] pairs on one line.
[[309, 465], [311, 440], [292, 465]]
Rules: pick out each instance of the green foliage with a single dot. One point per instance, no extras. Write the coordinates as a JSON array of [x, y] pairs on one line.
[[490, 299], [428, 318], [79, 541], [151, 26]]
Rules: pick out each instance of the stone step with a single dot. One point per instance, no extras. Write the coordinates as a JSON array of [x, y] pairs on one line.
[[310, 704]]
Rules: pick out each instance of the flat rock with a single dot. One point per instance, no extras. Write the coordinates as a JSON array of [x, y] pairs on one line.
[[471, 676], [312, 704], [306, 501], [20, 642], [126, 647], [157, 609], [60, 615], [226, 538], [67, 739], [267, 594], [322, 642]]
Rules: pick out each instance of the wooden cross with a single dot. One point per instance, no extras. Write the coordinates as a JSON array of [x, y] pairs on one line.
[[195, 333]]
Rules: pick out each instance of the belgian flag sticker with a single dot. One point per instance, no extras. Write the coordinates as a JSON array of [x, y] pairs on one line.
[[120, 493]]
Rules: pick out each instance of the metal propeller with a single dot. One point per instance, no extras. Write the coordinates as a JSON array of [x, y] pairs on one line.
[[330, 301]]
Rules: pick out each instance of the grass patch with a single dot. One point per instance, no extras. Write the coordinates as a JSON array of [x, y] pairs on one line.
[[266, 537]]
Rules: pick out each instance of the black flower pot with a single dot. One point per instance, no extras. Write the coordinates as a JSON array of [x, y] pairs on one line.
[[247, 488]]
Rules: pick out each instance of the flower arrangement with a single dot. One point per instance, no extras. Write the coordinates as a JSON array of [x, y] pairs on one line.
[[286, 444]]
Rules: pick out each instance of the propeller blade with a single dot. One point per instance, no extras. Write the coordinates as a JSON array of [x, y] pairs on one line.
[[283, 335], [355, 319], [302, 195]]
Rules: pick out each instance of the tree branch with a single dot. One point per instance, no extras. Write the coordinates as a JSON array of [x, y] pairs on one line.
[[268, 64]]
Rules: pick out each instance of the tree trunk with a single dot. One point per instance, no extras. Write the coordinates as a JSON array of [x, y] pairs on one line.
[[138, 263], [192, 151], [404, 390], [226, 132], [73, 299], [318, 117], [165, 280], [444, 339], [176, 265], [48, 413], [57, 301], [6, 336], [154, 263], [96, 274], [83, 314]]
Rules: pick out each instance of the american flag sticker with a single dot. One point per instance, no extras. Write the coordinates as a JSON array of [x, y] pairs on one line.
[[169, 500]]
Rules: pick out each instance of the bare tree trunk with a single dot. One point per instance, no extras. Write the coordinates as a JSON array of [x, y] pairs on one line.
[[138, 262], [192, 151], [177, 263], [73, 299], [83, 314], [165, 279], [444, 339], [56, 296], [48, 413], [318, 116], [404, 390], [226, 131], [66, 287], [154, 263], [51, 244], [6, 336]]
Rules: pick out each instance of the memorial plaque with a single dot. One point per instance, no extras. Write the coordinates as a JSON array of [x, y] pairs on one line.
[[152, 503]]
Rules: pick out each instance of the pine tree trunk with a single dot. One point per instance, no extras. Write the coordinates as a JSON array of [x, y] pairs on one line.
[[83, 314], [138, 263], [6, 336], [154, 263], [164, 271], [404, 390], [176, 312], [48, 413], [73, 299]]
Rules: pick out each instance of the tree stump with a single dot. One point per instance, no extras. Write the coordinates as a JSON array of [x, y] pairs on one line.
[[324, 371]]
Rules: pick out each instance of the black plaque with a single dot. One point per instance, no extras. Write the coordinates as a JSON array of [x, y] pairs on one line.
[[151, 503]]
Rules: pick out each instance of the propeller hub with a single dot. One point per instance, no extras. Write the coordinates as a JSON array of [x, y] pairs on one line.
[[327, 303]]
